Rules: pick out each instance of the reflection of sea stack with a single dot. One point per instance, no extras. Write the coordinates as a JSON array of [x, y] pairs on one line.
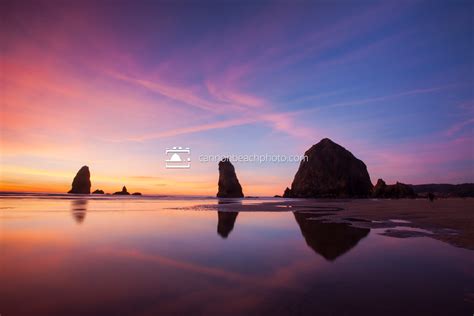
[[330, 240], [78, 209], [393, 191], [225, 224], [123, 192], [81, 183], [229, 186], [330, 171]]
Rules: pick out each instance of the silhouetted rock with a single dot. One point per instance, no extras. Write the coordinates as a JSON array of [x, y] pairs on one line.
[[123, 192], [136, 193], [393, 191], [330, 171], [98, 192], [400, 190], [287, 193], [379, 189], [82, 182], [330, 240], [229, 186]]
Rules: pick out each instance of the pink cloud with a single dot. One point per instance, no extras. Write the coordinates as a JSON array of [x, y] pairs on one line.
[[456, 128], [420, 162], [238, 98]]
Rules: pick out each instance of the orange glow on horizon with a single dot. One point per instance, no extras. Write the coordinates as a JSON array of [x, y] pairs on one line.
[[16, 179]]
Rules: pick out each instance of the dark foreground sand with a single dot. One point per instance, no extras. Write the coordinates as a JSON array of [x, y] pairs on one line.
[[449, 220]]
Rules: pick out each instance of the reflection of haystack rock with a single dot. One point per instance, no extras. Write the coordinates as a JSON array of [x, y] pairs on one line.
[[330, 240], [225, 224], [79, 209]]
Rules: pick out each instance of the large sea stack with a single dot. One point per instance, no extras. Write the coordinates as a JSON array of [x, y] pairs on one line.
[[229, 186], [330, 171], [82, 182]]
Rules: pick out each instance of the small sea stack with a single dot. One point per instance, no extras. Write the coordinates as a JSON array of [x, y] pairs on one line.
[[82, 182], [123, 192], [229, 186]]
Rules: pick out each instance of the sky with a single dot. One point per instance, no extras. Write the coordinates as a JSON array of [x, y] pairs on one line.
[[113, 84]]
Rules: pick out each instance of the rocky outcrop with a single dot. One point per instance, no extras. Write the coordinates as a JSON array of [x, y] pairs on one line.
[[229, 186], [287, 192], [123, 192], [379, 189], [393, 191], [330, 171], [98, 192], [82, 182], [400, 190], [136, 193]]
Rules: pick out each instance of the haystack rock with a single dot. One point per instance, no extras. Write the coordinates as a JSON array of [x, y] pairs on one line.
[[82, 182], [229, 186], [393, 191], [330, 171], [123, 192]]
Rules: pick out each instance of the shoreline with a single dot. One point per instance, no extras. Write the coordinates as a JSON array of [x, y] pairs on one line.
[[450, 220]]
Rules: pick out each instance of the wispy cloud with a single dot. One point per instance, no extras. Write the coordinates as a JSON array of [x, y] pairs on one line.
[[386, 97], [453, 130], [194, 129], [176, 93]]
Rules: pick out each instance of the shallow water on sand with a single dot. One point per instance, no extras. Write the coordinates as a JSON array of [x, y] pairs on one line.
[[147, 256]]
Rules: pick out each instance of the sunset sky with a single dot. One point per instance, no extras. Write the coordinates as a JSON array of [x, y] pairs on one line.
[[112, 84]]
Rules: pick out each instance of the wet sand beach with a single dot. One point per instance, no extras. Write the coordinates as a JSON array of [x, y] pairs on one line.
[[109, 255], [450, 220]]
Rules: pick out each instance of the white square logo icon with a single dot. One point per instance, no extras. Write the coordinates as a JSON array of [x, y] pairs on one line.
[[178, 158]]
